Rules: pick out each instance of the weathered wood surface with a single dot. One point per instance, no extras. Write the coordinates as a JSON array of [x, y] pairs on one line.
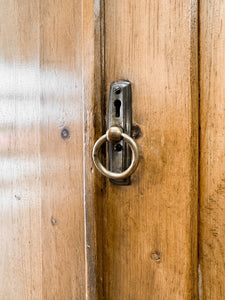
[[52, 62], [94, 117], [20, 193], [41, 202], [212, 149], [150, 227]]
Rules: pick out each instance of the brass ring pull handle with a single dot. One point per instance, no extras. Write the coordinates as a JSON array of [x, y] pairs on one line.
[[113, 135]]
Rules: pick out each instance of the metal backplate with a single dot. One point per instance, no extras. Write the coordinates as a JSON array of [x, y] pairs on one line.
[[120, 115]]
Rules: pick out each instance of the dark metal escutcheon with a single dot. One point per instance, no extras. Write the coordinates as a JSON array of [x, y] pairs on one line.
[[120, 115]]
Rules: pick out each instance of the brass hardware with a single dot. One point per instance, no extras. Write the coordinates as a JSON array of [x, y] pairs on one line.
[[122, 151], [115, 134]]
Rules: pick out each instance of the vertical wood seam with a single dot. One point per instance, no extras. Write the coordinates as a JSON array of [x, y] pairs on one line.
[[194, 75], [93, 125]]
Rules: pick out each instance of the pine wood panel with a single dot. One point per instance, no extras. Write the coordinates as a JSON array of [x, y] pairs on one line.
[[150, 227], [212, 169], [42, 245], [62, 159], [20, 195]]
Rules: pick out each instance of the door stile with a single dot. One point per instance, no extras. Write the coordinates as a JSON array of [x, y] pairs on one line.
[[212, 156], [94, 123], [150, 227]]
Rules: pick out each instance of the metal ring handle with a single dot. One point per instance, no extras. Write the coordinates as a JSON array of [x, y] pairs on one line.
[[134, 159]]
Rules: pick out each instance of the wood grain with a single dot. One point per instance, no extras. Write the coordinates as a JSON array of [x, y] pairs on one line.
[[20, 193], [139, 241], [150, 227], [212, 169], [62, 159], [94, 117], [42, 196]]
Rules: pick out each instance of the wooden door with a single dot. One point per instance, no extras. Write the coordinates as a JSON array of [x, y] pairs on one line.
[[212, 170], [66, 232], [42, 241], [150, 227]]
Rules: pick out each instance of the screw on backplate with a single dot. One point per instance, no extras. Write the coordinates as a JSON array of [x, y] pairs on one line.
[[118, 147], [117, 90]]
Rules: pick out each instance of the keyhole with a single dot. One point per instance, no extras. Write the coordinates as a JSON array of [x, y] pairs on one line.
[[117, 104]]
